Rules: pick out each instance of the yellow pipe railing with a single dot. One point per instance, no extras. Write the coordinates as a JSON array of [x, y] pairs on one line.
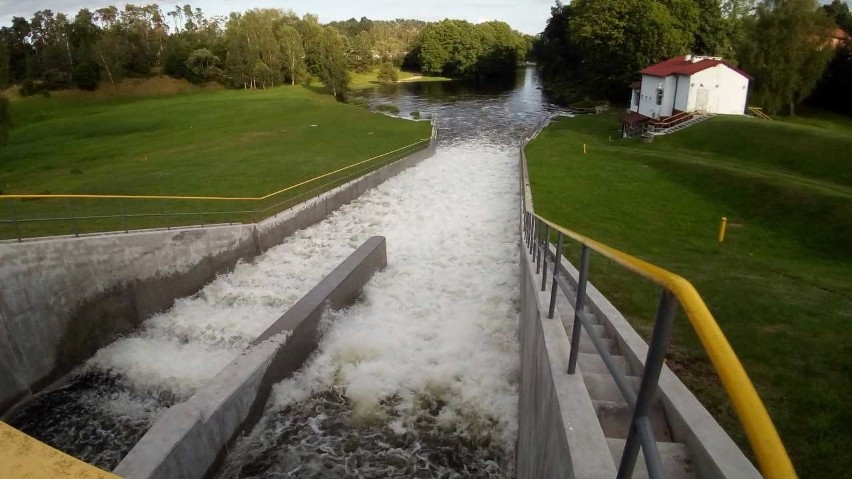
[[764, 439], [213, 198]]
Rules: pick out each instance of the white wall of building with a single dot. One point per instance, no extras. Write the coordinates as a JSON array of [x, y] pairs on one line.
[[682, 100], [648, 96], [716, 90], [727, 91]]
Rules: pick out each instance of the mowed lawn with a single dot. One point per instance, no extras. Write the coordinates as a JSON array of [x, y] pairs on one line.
[[226, 143], [780, 285]]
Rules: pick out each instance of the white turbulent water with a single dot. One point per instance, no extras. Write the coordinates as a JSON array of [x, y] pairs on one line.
[[441, 318]]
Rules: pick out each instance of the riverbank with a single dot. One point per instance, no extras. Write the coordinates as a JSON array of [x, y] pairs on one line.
[[780, 284], [227, 143], [370, 79]]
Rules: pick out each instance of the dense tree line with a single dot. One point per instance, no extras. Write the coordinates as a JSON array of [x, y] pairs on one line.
[[457, 48], [255, 49], [593, 48]]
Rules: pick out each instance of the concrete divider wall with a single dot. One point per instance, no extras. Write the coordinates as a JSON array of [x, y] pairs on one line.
[[189, 439], [542, 449], [63, 298]]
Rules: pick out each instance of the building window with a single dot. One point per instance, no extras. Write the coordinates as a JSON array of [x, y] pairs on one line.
[[660, 96]]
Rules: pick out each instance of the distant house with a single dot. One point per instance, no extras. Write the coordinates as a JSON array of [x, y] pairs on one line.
[[688, 84]]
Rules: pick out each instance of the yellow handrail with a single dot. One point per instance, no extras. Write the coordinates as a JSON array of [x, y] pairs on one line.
[[212, 198], [764, 439]]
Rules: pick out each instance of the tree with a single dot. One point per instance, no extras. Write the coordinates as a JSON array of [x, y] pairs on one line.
[[332, 67], [839, 11], [203, 63], [388, 73], [110, 52], [617, 38], [787, 48], [263, 74], [5, 119], [293, 53]]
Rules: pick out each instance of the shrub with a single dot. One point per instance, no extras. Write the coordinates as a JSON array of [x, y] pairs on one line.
[[388, 108], [358, 101], [415, 115], [388, 73], [87, 75]]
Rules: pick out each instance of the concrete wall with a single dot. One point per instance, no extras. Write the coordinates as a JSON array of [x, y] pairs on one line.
[[63, 298], [189, 439]]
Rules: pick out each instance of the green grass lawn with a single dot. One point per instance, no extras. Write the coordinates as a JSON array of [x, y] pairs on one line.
[[228, 143], [781, 284]]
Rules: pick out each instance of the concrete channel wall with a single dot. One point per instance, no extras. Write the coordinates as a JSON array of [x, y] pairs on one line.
[[189, 439], [63, 298]]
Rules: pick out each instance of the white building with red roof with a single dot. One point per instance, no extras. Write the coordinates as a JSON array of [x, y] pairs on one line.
[[690, 84]]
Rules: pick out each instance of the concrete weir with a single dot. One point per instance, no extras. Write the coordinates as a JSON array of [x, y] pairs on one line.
[[63, 298], [187, 439]]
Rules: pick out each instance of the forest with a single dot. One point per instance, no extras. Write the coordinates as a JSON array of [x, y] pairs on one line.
[[798, 51], [258, 48]]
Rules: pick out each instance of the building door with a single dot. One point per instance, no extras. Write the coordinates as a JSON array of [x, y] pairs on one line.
[[701, 99]]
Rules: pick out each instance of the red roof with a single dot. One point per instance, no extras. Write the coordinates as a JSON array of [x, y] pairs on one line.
[[681, 66]]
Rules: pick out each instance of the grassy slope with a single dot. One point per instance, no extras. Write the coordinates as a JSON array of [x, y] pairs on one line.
[[230, 143], [781, 284]]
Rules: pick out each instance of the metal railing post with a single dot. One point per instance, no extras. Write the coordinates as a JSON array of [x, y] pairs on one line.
[[640, 430], [74, 227], [126, 228], [538, 240], [544, 248], [553, 287], [578, 308], [532, 234], [15, 220]]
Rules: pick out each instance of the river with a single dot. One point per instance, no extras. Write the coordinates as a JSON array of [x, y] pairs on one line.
[[418, 379]]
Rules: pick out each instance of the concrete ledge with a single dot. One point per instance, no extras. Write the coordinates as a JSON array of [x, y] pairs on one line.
[[23, 457], [63, 298], [189, 440]]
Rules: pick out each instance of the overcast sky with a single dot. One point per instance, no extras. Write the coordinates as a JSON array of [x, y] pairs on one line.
[[527, 16]]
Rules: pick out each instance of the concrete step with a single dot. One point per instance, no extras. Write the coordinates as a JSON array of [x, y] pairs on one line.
[[675, 457], [592, 363], [602, 386], [587, 346], [615, 419]]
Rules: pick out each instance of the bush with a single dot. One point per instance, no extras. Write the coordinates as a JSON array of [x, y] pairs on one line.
[[415, 115], [87, 75], [30, 88], [388, 108], [358, 101], [388, 73], [54, 79]]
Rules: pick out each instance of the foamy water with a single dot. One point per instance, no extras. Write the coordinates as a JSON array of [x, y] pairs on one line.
[[435, 330], [431, 349]]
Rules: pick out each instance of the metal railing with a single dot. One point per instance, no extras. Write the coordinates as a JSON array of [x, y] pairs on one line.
[[766, 444], [31, 216]]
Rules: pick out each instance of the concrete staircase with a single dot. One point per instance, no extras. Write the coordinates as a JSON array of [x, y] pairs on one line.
[[697, 118], [613, 412]]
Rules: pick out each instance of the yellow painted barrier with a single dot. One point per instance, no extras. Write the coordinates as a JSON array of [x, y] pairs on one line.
[[23, 457], [722, 227], [214, 198], [771, 455]]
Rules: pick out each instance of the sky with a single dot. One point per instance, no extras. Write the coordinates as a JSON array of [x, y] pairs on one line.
[[527, 16]]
